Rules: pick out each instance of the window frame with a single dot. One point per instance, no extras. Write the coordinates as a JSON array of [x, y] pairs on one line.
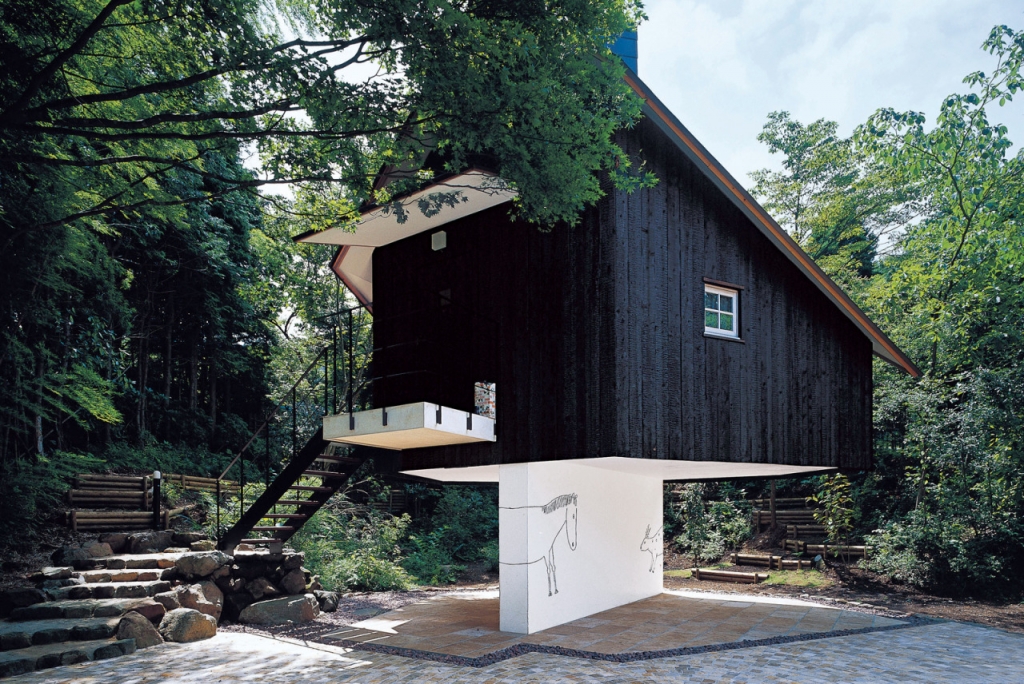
[[733, 334]]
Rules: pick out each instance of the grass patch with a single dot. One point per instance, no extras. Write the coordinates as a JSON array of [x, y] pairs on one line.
[[798, 578], [683, 574]]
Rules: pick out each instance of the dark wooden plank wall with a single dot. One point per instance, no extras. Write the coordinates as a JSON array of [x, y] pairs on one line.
[[600, 348]]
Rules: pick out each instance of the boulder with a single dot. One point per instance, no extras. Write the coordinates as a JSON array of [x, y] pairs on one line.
[[261, 588], [187, 538], [69, 555], [293, 583], [292, 561], [134, 626], [203, 545], [290, 609], [116, 540], [328, 600], [150, 542], [204, 597], [19, 598], [201, 563], [169, 599], [50, 585], [149, 609], [234, 604], [222, 571], [184, 625], [49, 573], [98, 550]]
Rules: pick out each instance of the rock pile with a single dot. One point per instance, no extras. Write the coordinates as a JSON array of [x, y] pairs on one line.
[[125, 591]]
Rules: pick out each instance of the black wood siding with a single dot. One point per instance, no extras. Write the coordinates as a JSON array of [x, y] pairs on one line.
[[594, 333]]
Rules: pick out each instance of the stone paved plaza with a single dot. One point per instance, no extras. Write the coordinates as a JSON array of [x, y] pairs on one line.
[[940, 652]]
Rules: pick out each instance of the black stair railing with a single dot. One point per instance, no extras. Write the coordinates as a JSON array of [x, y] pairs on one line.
[[337, 376]]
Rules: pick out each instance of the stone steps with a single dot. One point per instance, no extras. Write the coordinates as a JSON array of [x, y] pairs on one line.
[[133, 561], [141, 575], [51, 655], [86, 608], [107, 590], [14, 635]]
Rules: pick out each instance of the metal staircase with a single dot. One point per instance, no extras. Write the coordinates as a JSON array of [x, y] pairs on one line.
[[307, 475], [312, 476]]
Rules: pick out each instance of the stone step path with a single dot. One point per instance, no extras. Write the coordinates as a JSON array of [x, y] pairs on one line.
[[96, 604], [51, 655], [71, 609], [14, 635], [114, 589]]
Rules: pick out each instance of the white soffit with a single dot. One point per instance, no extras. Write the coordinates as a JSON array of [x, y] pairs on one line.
[[662, 469], [409, 426], [476, 191]]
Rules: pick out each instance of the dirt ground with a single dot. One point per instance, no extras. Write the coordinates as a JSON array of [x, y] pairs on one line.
[[852, 584]]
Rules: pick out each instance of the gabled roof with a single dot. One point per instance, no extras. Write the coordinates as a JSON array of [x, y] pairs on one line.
[[380, 226], [657, 112]]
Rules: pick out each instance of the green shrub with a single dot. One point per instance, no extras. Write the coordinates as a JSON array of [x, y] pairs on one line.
[[709, 528], [428, 559], [489, 552]]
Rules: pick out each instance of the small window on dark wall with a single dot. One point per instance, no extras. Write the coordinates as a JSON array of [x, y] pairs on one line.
[[721, 311]]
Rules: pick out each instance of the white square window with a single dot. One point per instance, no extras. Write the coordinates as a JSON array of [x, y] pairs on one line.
[[721, 311]]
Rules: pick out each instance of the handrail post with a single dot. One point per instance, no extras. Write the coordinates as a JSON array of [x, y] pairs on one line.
[[327, 375], [295, 427], [351, 376]]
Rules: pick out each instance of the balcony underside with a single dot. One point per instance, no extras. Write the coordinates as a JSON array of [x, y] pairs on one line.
[[409, 426]]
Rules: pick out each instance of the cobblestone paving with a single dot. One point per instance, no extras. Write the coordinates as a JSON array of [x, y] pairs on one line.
[[942, 652]]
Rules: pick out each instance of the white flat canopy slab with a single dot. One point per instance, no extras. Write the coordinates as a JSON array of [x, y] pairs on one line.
[[409, 426], [662, 469]]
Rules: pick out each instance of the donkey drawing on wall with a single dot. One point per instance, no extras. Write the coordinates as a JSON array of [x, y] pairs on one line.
[[652, 544], [561, 513]]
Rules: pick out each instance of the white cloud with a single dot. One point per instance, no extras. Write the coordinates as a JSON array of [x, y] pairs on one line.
[[723, 65]]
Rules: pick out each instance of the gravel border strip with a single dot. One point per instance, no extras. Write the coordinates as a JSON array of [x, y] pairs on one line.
[[320, 634]]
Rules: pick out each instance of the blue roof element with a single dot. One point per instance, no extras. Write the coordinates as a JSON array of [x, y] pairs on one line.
[[625, 47]]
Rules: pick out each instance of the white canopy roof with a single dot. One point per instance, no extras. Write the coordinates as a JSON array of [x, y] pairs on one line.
[[421, 211]]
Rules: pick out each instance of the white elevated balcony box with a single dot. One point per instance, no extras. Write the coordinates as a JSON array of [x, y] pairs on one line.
[[409, 426]]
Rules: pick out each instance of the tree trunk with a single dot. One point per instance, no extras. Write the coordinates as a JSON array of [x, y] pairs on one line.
[[213, 395], [169, 352], [193, 380]]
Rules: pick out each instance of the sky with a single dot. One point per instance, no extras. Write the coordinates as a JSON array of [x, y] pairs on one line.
[[722, 65]]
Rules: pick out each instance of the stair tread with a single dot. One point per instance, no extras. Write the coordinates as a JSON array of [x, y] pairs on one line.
[[339, 459], [41, 632], [295, 516], [123, 590], [72, 609], [261, 541], [51, 655], [310, 488], [297, 502], [273, 528], [124, 575], [324, 473]]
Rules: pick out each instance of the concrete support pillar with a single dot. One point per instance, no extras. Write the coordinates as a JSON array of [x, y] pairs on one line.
[[574, 540]]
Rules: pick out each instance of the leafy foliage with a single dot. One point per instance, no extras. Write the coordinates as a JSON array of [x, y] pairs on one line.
[[709, 519]]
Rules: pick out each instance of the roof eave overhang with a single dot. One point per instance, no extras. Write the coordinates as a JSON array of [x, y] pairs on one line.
[[881, 345]]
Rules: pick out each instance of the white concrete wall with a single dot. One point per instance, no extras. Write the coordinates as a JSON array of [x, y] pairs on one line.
[[607, 568]]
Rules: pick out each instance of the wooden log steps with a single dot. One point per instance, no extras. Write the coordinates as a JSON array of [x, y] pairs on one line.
[[109, 520], [837, 550], [797, 531], [795, 564], [764, 518], [730, 576], [780, 503], [105, 498], [756, 559], [201, 484]]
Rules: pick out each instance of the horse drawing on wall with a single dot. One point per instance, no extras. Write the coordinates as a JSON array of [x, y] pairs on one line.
[[552, 518], [653, 545]]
